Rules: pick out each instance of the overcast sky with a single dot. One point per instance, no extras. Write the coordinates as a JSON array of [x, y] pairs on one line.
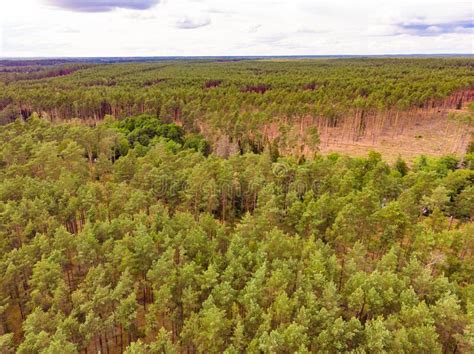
[[54, 28]]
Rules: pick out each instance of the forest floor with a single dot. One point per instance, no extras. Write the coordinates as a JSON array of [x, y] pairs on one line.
[[434, 135]]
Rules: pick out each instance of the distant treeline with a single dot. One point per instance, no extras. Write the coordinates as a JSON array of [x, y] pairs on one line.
[[248, 103]]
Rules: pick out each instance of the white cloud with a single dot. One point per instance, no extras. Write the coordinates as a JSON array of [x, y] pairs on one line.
[[192, 22]]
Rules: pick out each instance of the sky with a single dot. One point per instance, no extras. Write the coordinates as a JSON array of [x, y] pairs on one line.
[[72, 28]]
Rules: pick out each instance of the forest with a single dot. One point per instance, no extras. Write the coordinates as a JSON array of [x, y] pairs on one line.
[[247, 105], [184, 206]]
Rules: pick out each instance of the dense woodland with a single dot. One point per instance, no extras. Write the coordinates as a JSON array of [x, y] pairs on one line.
[[244, 104], [142, 212]]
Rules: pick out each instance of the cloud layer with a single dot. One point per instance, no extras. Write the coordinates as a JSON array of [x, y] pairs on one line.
[[244, 27], [102, 5]]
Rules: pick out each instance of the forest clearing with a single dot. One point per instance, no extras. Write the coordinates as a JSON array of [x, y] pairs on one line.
[[430, 133]]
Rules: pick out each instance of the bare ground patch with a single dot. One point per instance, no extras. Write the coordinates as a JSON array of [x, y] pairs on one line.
[[432, 134]]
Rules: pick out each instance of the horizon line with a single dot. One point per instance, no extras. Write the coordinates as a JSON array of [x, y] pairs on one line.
[[234, 56]]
